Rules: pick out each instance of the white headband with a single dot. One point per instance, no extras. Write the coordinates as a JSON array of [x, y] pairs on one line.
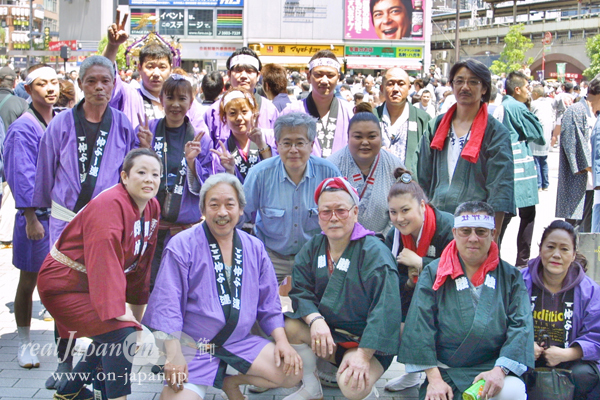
[[475, 221], [236, 94], [45, 72], [326, 62], [244, 59]]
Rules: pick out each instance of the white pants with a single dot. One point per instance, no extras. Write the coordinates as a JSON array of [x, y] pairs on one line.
[[200, 390], [514, 389], [7, 215]]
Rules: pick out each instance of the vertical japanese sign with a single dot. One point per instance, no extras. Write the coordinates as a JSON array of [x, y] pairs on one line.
[[560, 71], [142, 20], [229, 23], [171, 21], [200, 22], [387, 20]]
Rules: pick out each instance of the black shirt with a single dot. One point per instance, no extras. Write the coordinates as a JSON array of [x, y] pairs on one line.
[[175, 138]]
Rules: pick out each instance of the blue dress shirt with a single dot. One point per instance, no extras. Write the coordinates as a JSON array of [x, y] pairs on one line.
[[285, 213]]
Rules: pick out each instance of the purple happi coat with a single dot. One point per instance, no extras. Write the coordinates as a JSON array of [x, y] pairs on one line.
[[185, 300], [340, 140], [220, 131], [57, 174], [126, 99], [21, 147], [207, 164]]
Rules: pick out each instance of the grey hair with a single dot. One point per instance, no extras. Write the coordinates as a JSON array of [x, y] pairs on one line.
[[472, 207], [223, 177], [294, 119], [96, 60]]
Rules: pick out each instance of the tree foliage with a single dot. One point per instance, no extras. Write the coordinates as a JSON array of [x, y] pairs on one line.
[[121, 62], [512, 57], [592, 49]]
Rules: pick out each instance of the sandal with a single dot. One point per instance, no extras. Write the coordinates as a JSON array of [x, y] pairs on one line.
[[83, 394]]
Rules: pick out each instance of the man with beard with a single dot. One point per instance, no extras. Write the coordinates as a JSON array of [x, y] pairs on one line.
[[524, 127], [466, 154], [332, 114], [216, 261]]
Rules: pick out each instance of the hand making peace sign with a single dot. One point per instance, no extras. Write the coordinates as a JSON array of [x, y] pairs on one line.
[[144, 134], [226, 158], [116, 32], [193, 148]]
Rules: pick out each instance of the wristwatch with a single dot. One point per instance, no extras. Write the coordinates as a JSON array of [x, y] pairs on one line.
[[505, 370]]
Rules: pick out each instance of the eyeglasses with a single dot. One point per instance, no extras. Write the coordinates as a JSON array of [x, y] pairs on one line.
[[297, 145], [340, 213], [470, 82], [480, 232]]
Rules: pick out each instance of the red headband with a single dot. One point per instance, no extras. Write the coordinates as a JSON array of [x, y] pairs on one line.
[[337, 183]]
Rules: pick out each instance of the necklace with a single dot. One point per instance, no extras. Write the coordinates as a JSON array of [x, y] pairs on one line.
[[330, 263]]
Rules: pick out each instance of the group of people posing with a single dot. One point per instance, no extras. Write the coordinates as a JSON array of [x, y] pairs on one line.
[[136, 207]]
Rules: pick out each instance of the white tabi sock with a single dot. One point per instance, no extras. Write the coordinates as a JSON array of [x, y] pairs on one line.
[[23, 332], [309, 364]]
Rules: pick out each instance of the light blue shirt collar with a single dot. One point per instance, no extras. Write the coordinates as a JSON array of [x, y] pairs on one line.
[[308, 172]]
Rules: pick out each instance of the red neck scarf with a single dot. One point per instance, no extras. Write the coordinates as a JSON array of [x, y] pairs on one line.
[[450, 265], [429, 227], [473, 146]]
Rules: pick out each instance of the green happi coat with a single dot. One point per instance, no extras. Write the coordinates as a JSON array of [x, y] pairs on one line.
[[445, 326], [524, 128], [491, 179], [362, 295], [443, 235]]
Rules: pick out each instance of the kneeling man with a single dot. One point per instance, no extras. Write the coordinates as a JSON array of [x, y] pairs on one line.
[[346, 297], [469, 318], [214, 282]]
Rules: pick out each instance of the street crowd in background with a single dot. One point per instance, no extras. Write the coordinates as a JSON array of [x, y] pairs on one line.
[[189, 201]]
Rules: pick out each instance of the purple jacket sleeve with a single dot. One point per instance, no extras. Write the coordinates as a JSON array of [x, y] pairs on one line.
[[47, 163], [20, 158], [587, 319], [127, 100]]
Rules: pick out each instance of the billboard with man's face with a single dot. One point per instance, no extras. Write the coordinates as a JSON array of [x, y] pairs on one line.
[[385, 19]]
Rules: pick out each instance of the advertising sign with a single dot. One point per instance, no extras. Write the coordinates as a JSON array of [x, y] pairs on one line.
[[415, 52], [55, 46], [560, 71], [387, 19], [188, 3], [200, 22], [46, 37], [229, 23], [171, 22], [142, 20], [409, 52], [295, 49]]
